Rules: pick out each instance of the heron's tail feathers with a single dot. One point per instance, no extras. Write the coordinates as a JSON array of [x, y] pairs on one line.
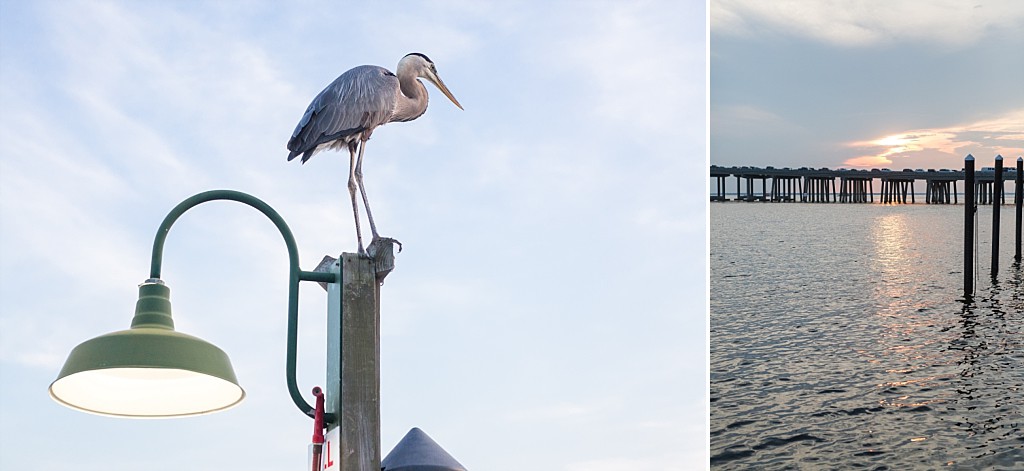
[[306, 154]]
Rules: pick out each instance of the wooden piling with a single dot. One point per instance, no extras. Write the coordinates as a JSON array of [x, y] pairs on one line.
[[996, 190], [1018, 192], [353, 394], [969, 227]]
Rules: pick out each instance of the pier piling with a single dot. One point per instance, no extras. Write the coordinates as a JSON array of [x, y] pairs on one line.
[[719, 187], [997, 188], [1017, 193], [968, 226]]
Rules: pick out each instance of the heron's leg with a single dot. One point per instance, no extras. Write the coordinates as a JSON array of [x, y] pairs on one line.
[[352, 193], [362, 189]]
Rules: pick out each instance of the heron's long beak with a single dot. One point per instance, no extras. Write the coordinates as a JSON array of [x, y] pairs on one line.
[[436, 80]]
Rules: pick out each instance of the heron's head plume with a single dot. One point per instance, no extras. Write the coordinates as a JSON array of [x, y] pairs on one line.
[[420, 56], [421, 66]]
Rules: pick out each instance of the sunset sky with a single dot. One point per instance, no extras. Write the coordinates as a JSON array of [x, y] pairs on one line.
[[892, 84]]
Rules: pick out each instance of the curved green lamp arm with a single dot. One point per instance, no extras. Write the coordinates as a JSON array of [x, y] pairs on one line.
[[295, 274]]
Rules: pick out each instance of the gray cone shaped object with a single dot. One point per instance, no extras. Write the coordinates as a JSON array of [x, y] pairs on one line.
[[418, 452]]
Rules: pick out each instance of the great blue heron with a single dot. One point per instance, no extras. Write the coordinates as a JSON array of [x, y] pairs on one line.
[[346, 112]]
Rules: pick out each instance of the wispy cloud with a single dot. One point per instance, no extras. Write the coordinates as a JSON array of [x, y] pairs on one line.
[[555, 412], [730, 121], [90, 150], [864, 22], [669, 460], [1003, 135], [635, 92]]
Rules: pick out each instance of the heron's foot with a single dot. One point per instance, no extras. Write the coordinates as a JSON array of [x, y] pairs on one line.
[[379, 241], [382, 246], [382, 252]]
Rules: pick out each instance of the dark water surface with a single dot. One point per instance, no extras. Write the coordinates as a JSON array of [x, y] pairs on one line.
[[840, 340]]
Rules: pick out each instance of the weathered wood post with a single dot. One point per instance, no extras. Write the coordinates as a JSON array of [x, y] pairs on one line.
[[997, 188], [968, 226], [1018, 192], [353, 375]]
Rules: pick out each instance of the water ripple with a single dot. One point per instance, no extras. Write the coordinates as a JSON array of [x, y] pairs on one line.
[[838, 341]]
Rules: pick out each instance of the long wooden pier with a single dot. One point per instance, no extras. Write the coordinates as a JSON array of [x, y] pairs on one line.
[[810, 185]]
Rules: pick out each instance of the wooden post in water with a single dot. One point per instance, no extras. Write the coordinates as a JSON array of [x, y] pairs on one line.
[[968, 226], [1018, 192], [996, 203], [353, 394]]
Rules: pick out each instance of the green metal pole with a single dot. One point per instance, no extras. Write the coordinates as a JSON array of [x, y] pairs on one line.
[[295, 275]]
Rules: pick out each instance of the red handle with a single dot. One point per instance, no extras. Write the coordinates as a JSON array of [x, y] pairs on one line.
[[318, 417]]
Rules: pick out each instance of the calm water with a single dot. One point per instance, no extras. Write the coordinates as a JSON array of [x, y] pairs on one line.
[[840, 340]]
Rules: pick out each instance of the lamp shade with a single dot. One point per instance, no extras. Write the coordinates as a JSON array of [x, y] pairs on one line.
[[149, 370]]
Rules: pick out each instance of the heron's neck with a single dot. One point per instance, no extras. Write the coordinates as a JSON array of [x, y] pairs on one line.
[[412, 102]]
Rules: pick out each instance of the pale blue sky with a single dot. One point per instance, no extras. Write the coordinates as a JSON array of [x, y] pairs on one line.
[[869, 83], [548, 311]]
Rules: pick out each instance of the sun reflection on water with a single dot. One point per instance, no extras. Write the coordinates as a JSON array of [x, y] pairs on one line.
[[891, 239], [904, 323]]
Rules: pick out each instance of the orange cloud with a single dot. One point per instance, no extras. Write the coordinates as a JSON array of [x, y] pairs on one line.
[[868, 161], [982, 137]]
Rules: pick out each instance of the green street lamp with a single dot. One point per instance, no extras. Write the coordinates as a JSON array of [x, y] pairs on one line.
[[149, 370], [153, 371]]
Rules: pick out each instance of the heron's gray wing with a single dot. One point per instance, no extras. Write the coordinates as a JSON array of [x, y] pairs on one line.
[[360, 99]]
